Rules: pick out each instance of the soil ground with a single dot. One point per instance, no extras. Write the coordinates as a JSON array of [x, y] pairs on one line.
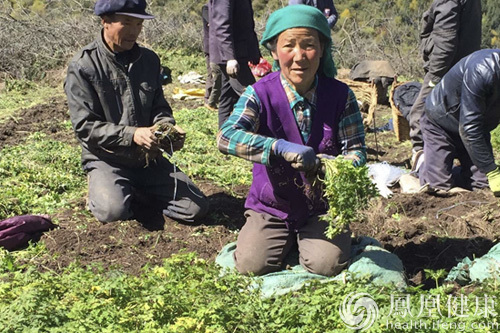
[[424, 230]]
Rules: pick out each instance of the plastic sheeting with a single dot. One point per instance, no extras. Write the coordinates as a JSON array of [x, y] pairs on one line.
[[477, 270], [384, 175], [191, 77], [368, 260], [184, 94]]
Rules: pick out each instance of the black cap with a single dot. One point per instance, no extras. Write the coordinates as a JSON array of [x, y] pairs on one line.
[[134, 8]]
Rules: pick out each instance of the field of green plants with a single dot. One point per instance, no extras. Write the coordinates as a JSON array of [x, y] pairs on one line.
[[41, 173], [186, 293]]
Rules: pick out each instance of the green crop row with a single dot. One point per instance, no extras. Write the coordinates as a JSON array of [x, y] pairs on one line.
[[187, 294]]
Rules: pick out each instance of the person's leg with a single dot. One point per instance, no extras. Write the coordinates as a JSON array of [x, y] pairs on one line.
[[439, 151], [319, 254], [175, 193], [470, 177], [245, 78], [263, 243], [209, 83], [213, 100], [479, 179], [416, 114], [228, 97], [110, 192], [232, 88]]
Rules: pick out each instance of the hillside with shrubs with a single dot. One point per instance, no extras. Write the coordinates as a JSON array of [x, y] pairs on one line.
[[41, 35]]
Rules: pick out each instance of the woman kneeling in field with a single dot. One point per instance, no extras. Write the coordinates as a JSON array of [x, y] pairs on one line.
[[281, 123]]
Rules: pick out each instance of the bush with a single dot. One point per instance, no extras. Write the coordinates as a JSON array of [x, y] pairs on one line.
[[42, 35], [40, 40]]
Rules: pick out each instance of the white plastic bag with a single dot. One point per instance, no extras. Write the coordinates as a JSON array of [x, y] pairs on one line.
[[384, 175]]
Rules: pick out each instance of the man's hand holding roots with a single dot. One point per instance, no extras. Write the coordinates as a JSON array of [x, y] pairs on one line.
[[169, 137], [144, 138], [155, 140]]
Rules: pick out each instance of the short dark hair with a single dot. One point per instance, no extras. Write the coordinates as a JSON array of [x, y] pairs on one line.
[[272, 44]]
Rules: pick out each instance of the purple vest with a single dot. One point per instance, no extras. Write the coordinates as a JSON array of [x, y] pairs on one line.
[[280, 190]]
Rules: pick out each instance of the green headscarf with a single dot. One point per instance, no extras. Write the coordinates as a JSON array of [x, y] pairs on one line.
[[301, 16]]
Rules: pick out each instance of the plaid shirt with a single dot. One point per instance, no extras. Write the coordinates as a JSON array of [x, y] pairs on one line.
[[238, 135]]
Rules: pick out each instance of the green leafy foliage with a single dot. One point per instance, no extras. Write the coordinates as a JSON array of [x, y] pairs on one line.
[[347, 189], [495, 142], [39, 176], [187, 294], [19, 85], [181, 61], [436, 275], [200, 157], [491, 24]]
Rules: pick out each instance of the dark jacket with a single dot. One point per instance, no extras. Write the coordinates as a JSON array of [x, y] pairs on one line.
[[232, 31], [467, 102], [451, 30], [108, 101], [205, 18], [323, 6]]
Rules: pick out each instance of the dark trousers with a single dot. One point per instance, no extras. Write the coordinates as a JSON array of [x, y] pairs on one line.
[[264, 241], [232, 88], [112, 189], [212, 83], [416, 113], [440, 149]]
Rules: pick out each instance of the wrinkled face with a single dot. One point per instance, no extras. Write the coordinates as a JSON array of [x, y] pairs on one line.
[[298, 52], [121, 31]]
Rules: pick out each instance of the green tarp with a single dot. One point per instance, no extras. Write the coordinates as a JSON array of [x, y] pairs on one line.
[[477, 270], [368, 259]]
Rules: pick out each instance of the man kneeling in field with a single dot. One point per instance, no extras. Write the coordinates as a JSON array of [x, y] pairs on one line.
[[459, 114], [117, 105]]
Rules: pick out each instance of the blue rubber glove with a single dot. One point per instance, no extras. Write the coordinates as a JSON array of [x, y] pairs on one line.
[[302, 158], [494, 180]]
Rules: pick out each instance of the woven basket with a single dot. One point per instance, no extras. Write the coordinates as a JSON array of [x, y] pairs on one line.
[[401, 125], [367, 94]]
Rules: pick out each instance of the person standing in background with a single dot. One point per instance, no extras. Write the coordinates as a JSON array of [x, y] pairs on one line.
[[325, 6], [451, 30], [214, 76], [232, 44]]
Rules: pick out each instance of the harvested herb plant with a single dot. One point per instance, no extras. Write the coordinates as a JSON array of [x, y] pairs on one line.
[[347, 189]]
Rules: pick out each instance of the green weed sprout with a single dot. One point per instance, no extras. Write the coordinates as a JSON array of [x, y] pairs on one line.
[[435, 275], [347, 189]]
